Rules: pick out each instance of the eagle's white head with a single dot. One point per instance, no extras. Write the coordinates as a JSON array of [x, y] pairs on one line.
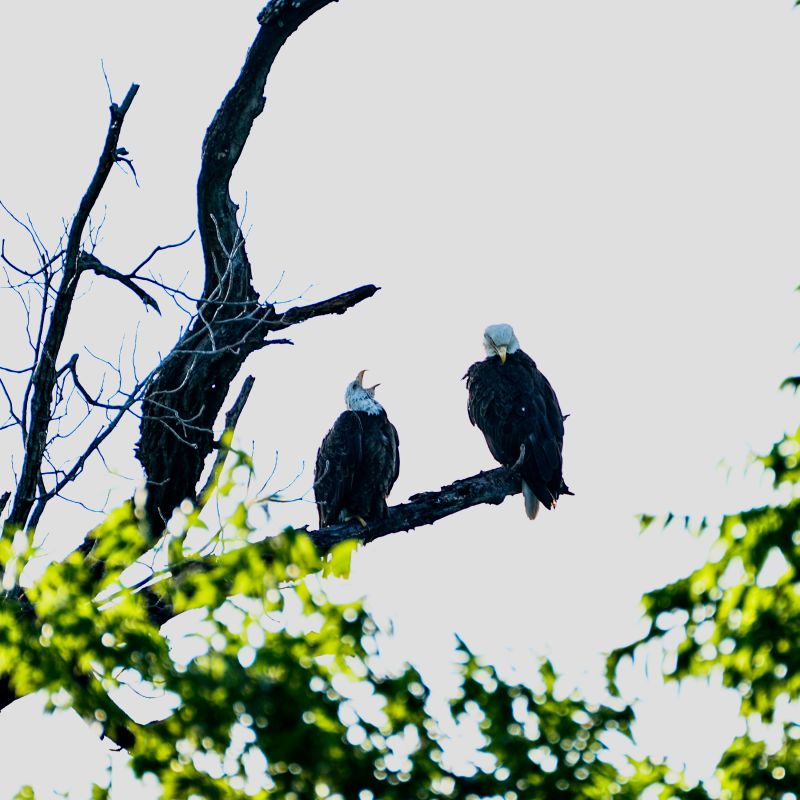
[[358, 397], [499, 340]]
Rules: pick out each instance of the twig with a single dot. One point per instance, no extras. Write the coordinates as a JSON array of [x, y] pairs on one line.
[[87, 261], [158, 249]]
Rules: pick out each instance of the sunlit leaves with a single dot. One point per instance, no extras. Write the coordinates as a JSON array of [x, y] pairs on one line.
[[541, 745], [784, 459], [338, 562], [739, 615], [266, 688]]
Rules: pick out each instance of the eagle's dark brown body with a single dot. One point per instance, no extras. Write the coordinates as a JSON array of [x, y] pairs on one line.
[[357, 464], [513, 404]]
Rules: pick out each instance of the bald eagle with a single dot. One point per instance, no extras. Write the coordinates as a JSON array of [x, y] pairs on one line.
[[358, 460], [515, 407]]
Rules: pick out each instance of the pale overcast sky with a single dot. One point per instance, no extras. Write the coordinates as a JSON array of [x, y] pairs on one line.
[[618, 180]]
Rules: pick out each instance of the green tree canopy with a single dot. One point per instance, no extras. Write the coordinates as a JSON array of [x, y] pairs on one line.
[[739, 616], [286, 693]]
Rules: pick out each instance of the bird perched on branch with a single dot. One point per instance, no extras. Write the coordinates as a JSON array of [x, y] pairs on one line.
[[517, 410], [358, 460]]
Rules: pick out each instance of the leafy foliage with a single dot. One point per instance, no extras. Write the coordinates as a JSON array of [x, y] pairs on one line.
[[739, 615], [275, 691]]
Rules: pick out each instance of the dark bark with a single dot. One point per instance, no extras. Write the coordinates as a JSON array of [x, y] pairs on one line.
[[89, 263], [490, 487], [186, 395], [426, 508], [223, 145]]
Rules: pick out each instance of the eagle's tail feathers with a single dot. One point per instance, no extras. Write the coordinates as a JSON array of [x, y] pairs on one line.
[[531, 501]]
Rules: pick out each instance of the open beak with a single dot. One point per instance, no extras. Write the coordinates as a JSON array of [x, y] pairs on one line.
[[371, 389], [360, 377]]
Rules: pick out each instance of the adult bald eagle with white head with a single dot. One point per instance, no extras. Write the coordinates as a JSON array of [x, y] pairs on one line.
[[358, 461], [515, 407]]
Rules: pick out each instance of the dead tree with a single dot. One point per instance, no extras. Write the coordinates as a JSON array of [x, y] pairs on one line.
[[180, 399], [188, 391], [36, 415]]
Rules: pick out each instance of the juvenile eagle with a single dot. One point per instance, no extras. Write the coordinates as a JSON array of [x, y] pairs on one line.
[[358, 460], [514, 406]]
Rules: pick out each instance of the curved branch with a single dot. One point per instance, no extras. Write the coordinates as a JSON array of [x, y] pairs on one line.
[[226, 137], [490, 487], [157, 249], [86, 261]]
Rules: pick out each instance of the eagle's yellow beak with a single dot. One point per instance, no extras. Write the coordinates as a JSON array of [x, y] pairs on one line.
[[360, 377], [501, 351]]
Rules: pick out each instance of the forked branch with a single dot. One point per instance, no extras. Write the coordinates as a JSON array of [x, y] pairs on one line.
[[88, 262]]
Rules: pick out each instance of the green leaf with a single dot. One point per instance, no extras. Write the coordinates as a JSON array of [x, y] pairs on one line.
[[338, 562]]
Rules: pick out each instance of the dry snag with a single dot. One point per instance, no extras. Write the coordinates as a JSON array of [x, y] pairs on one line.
[[180, 399]]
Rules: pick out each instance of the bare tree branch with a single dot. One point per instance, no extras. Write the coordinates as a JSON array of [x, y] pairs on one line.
[[223, 446], [46, 265], [76, 469], [227, 135], [157, 250], [29, 228], [72, 367], [44, 378], [86, 261], [334, 305], [426, 508]]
